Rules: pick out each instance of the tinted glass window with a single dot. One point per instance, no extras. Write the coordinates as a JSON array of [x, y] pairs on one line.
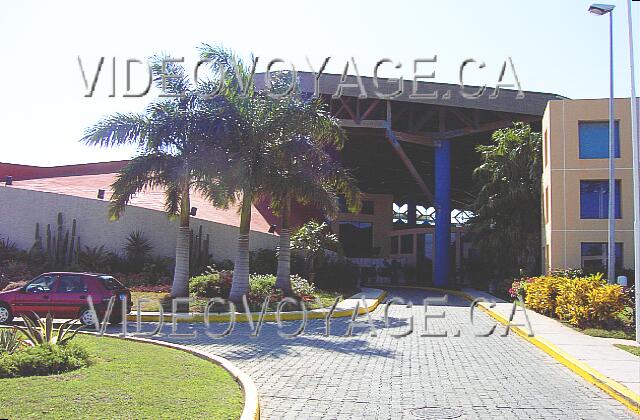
[[594, 255], [594, 139], [41, 284], [594, 200], [394, 244], [342, 204], [72, 284], [367, 207], [111, 283], [356, 238], [406, 244]]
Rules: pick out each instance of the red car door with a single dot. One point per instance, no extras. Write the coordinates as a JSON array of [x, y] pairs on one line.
[[36, 296], [70, 295]]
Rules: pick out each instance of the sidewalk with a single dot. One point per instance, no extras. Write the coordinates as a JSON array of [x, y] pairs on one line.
[[595, 352]]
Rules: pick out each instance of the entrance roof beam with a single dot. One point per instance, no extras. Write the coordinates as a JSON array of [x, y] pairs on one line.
[[393, 140]]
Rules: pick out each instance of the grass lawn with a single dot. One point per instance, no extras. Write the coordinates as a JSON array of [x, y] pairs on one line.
[[326, 300], [126, 380], [631, 349], [625, 330], [625, 334]]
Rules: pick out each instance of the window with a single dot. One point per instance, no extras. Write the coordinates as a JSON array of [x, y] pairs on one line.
[[547, 263], [111, 283], [546, 204], [342, 204], [545, 154], [394, 244], [400, 216], [594, 255], [356, 238], [594, 199], [406, 244], [367, 207], [72, 284], [41, 284], [594, 139]]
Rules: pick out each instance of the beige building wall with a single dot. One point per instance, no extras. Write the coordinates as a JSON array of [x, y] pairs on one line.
[[381, 220], [21, 209], [563, 230]]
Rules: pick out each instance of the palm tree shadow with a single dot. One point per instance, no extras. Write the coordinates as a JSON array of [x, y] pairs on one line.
[[240, 345]]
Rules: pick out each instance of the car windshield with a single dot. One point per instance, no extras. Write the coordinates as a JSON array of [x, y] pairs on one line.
[[110, 283], [41, 284]]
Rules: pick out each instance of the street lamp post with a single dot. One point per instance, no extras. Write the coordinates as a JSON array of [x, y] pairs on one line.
[[603, 9], [636, 176]]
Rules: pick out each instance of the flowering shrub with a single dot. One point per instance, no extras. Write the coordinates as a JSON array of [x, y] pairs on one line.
[[159, 288], [131, 279], [302, 288], [518, 287], [540, 294], [14, 271], [581, 301], [589, 301]]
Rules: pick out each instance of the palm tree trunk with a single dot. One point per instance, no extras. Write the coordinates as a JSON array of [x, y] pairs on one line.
[[283, 278], [240, 284], [180, 287]]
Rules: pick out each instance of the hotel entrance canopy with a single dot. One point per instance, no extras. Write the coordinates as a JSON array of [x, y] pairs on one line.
[[420, 149]]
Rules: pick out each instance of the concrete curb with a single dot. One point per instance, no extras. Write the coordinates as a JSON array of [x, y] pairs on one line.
[[251, 410], [614, 389], [270, 316]]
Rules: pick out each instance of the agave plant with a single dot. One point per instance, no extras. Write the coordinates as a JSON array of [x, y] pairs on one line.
[[39, 332], [9, 340]]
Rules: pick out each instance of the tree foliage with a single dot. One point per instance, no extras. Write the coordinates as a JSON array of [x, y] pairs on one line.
[[506, 227]]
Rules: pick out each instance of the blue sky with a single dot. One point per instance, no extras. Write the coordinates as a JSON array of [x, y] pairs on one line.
[[556, 46]]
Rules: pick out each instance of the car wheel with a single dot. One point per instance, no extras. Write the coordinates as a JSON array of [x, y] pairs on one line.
[[115, 319], [5, 314], [87, 317]]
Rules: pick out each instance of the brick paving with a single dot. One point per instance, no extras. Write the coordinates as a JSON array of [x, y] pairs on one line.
[[414, 377]]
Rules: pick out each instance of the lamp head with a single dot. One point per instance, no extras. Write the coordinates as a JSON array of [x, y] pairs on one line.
[[601, 9]]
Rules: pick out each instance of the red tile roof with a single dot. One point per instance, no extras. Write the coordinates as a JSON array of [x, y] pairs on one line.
[[87, 186], [21, 172]]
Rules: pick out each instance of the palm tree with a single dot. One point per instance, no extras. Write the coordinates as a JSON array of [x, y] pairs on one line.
[[264, 130], [307, 174], [506, 222], [177, 151]]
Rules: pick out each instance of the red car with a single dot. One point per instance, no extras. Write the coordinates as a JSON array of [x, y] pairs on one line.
[[64, 295]]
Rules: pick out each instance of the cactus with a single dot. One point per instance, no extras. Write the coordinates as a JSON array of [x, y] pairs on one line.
[[62, 246], [72, 258], [199, 257]]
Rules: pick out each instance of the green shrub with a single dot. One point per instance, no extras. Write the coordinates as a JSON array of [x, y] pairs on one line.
[[211, 284], [157, 270], [46, 359], [263, 261], [137, 250], [569, 273], [10, 341], [40, 332], [224, 265], [337, 275]]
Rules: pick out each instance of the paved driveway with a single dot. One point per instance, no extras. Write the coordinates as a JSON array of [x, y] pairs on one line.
[[413, 377]]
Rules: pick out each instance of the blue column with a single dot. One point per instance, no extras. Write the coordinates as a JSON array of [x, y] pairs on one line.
[[443, 214], [411, 211]]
